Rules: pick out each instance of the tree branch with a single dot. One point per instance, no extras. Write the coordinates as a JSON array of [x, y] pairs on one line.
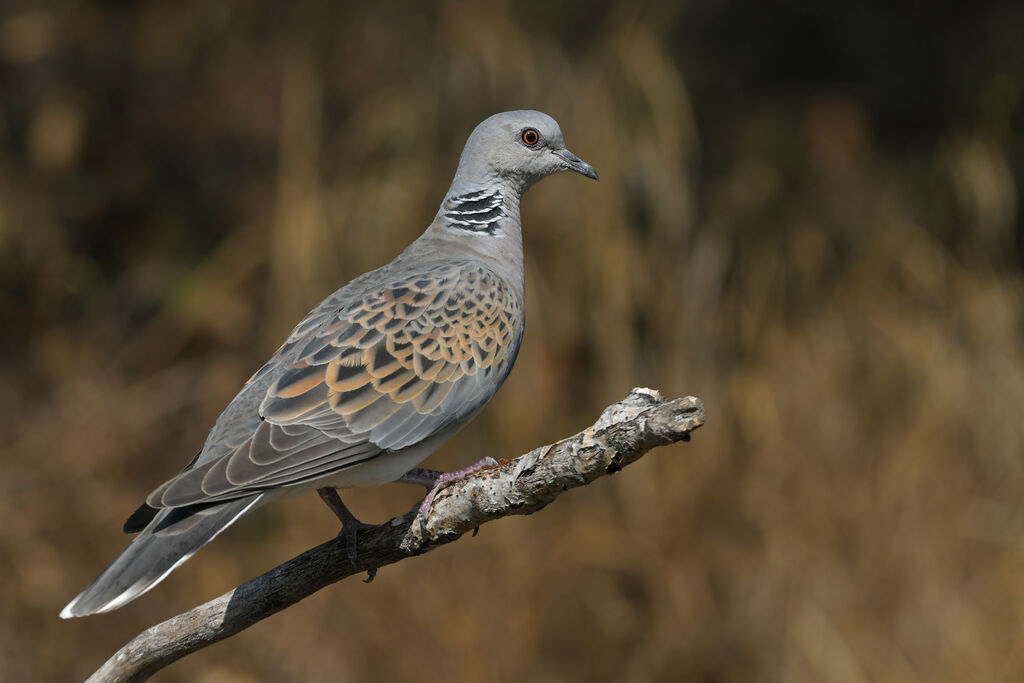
[[623, 433]]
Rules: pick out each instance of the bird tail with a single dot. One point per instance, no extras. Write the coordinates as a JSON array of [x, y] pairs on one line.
[[173, 536]]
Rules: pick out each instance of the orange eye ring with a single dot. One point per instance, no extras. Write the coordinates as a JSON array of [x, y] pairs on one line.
[[530, 136]]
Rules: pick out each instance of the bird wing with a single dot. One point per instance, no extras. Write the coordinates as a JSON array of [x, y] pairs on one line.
[[387, 370]]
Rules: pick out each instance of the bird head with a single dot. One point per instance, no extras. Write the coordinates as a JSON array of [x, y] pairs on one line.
[[520, 148]]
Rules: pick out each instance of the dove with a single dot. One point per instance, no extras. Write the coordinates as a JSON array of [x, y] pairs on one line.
[[371, 381]]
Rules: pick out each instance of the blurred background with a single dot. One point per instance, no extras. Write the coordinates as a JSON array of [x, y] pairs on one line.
[[808, 216]]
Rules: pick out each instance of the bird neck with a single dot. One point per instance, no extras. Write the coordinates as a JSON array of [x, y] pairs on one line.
[[481, 221]]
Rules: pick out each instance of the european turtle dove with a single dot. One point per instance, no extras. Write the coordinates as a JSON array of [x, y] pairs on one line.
[[374, 379]]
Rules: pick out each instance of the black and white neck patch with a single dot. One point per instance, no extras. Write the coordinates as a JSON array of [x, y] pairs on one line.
[[477, 211]]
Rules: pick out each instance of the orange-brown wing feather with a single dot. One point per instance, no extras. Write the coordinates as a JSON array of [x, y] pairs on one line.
[[434, 345]]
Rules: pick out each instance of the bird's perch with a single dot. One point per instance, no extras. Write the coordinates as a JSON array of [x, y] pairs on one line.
[[623, 433]]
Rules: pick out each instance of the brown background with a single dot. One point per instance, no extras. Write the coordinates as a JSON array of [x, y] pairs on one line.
[[808, 216]]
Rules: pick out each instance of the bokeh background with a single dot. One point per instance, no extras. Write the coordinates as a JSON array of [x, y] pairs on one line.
[[808, 216]]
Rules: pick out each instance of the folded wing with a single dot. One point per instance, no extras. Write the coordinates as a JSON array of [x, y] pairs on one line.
[[379, 374]]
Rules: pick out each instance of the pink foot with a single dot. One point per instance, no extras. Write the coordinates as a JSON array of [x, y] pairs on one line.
[[435, 481]]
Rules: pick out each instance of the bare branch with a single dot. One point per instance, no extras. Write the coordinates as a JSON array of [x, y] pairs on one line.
[[623, 433]]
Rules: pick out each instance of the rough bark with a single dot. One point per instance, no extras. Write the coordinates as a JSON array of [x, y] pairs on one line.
[[625, 431]]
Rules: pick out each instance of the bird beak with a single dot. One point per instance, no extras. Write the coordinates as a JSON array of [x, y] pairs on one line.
[[574, 163]]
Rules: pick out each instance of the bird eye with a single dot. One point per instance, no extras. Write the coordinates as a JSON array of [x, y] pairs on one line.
[[530, 136]]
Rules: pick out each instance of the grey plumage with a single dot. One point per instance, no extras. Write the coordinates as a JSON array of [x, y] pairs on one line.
[[376, 377]]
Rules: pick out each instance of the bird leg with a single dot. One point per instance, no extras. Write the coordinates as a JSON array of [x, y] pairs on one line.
[[435, 481], [349, 524]]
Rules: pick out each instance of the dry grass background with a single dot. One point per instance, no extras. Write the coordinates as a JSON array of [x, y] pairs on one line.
[[808, 216]]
